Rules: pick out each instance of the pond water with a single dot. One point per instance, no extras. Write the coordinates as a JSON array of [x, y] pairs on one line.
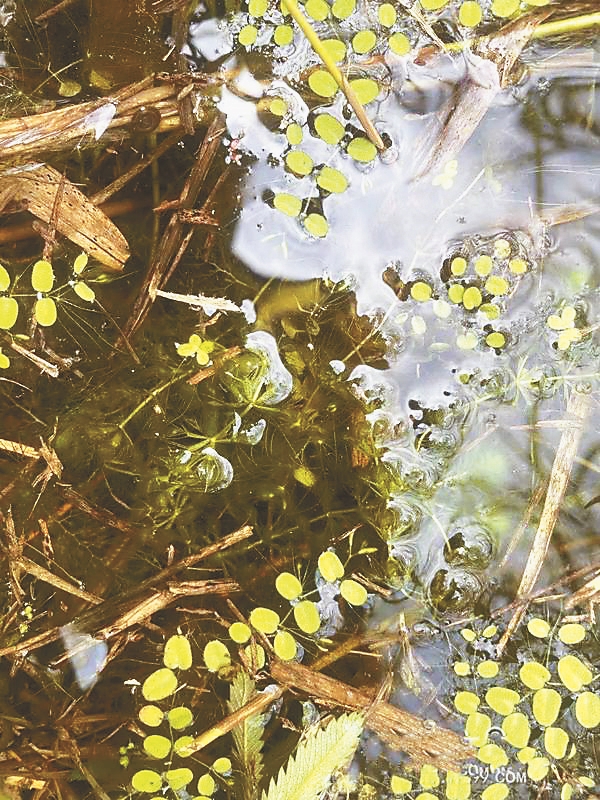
[[394, 359]]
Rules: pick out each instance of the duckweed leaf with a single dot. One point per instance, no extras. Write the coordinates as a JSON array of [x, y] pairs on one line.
[[160, 684], [287, 204], [9, 311], [399, 44], [493, 755], [42, 276], [534, 675], [264, 620], [240, 632], [329, 128], [587, 709], [342, 9], [178, 778], [178, 653], [353, 592], [332, 180], [80, 263], [216, 655], [477, 728], [181, 746], [361, 149], [470, 14], [387, 15], [516, 729], [539, 628], [316, 225], [322, 83], [307, 616], [4, 279], [84, 292], [45, 311], [283, 35], [222, 765], [157, 746], [466, 702], [363, 42], [146, 780], [502, 700], [317, 9], [336, 48], [429, 777], [573, 673], [206, 784], [299, 162], [330, 566], [151, 715], [556, 742], [546, 705], [247, 35], [180, 717], [366, 89], [571, 633], [285, 646], [288, 586]]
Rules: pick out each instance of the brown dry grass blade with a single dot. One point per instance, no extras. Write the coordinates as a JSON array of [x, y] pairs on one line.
[[577, 411], [488, 71], [76, 217]]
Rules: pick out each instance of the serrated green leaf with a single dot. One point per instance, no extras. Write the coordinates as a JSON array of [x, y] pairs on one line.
[[308, 771], [247, 736]]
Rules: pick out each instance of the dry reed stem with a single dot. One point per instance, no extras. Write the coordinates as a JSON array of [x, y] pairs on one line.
[[577, 411], [423, 741]]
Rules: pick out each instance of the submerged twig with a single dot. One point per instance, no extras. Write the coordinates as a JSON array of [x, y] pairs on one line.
[[577, 410]]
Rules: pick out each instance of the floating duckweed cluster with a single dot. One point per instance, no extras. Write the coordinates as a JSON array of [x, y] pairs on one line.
[[160, 714], [528, 719], [479, 277], [565, 324], [308, 616], [41, 296]]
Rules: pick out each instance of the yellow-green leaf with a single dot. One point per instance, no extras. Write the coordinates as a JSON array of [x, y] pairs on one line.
[[9, 311], [288, 586], [152, 716], [160, 684], [361, 149], [42, 277], [366, 89], [321, 83], [329, 128], [216, 655], [45, 311], [178, 653], [157, 746], [180, 717], [84, 292], [353, 592], [332, 180], [330, 566], [4, 279], [264, 620], [146, 780], [285, 646], [307, 616]]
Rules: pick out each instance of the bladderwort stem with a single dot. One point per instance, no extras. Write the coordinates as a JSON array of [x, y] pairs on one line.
[[543, 31], [335, 72]]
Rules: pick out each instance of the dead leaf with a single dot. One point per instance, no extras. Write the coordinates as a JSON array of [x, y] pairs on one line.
[[75, 217]]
